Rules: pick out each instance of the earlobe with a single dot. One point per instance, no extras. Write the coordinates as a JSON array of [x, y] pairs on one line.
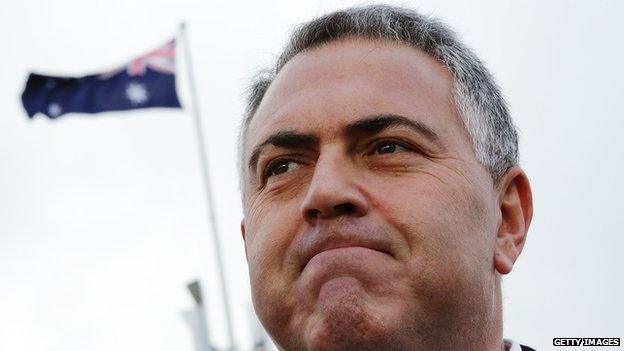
[[516, 206]]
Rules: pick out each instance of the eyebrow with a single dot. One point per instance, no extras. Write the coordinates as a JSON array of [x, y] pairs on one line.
[[367, 126], [284, 139], [375, 124]]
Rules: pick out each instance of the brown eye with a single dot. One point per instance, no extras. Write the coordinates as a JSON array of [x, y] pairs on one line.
[[281, 167], [388, 147]]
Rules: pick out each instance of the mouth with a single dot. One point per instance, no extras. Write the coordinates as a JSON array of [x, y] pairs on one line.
[[338, 248]]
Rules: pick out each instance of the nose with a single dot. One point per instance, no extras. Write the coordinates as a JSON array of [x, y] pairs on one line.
[[333, 192]]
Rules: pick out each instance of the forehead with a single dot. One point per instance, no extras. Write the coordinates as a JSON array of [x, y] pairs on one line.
[[323, 89]]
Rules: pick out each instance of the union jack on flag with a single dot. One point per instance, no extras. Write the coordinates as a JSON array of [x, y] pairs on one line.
[[161, 60]]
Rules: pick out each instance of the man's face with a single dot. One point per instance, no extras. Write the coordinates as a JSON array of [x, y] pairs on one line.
[[368, 219]]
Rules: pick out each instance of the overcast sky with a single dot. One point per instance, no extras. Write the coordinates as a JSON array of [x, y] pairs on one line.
[[103, 220]]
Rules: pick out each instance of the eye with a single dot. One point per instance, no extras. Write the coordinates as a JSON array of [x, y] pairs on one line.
[[388, 147], [280, 167]]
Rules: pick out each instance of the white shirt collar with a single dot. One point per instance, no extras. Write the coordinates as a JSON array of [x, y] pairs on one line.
[[511, 345]]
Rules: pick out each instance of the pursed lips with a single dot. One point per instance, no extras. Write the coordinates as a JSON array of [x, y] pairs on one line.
[[325, 241]]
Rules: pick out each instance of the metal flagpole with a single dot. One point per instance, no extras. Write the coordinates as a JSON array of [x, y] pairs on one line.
[[206, 176]]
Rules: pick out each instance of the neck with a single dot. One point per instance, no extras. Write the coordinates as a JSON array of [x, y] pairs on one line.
[[490, 335], [478, 327]]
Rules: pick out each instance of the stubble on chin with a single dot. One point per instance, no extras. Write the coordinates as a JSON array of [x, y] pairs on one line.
[[344, 318]]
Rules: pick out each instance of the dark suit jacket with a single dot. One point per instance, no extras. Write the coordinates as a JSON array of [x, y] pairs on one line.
[[526, 348]]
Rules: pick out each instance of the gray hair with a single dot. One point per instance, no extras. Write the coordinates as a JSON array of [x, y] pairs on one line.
[[477, 96]]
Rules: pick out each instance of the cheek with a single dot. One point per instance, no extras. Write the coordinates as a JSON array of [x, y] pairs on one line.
[[445, 222], [450, 241], [267, 240], [269, 232]]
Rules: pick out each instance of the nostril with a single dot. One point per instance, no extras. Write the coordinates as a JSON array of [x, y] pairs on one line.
[[313, 213], [345, 209], [337, 210]]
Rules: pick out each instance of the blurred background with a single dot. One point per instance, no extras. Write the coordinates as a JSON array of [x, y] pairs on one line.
[[103, 220]]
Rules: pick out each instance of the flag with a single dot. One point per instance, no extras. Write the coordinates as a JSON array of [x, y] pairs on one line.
[[147, 81]]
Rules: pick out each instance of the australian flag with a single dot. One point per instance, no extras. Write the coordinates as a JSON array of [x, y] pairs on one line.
[[147, 81]]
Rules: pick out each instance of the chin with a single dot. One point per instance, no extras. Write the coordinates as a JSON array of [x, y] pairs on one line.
[[345, 318]]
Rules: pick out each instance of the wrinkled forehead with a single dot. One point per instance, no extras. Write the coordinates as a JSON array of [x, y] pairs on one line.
[[321, 90]]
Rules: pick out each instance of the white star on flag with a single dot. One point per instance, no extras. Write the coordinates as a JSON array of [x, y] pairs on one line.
[[54, 109], [137, 93]]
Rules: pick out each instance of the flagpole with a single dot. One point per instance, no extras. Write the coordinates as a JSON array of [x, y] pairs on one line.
[[208, 191]]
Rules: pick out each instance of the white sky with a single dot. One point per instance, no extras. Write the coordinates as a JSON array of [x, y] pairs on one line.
[[103, 220]]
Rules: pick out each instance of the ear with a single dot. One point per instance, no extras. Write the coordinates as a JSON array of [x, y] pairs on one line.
[[516, 206], [242, 227]]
